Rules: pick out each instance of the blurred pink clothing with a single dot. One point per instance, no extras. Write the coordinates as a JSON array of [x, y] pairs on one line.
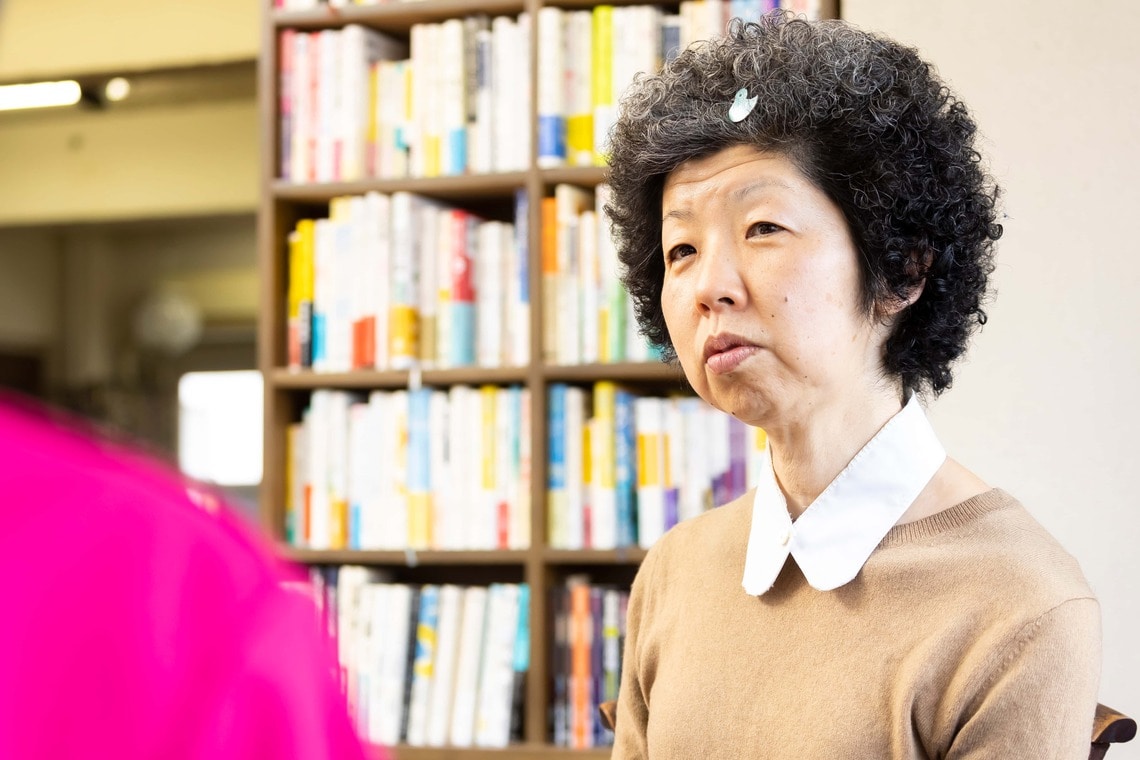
[[140, 620]]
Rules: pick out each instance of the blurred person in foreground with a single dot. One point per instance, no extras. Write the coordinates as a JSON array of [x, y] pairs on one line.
[[805, 225], [142, 619]]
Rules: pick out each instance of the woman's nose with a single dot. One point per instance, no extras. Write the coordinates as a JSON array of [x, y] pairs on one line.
[[719, 284]]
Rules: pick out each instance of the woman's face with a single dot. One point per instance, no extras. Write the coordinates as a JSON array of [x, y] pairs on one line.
[[762, 289]]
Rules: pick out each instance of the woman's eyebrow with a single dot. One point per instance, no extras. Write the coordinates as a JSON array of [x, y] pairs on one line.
[[680, 214], [741, 193]]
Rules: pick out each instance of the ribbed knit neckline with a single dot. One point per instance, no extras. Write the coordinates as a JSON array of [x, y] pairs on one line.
[[948, 519]]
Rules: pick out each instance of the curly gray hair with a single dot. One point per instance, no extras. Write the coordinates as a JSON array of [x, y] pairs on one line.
[[866, 120]]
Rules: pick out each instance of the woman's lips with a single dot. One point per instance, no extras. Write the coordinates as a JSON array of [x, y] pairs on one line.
[[722, 362]]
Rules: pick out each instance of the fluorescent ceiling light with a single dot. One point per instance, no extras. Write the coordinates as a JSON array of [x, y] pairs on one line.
[[39, 95], [117, 89]]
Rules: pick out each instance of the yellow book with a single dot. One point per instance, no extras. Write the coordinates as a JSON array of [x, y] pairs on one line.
[[601, 85]]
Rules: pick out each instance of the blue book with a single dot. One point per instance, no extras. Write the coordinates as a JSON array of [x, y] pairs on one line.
[[625, 474], [556, 465]]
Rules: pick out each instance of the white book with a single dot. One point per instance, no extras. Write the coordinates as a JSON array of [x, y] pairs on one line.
[[370, 471], [505, 59], [570, 202], [589, 286], [520, 515], [575, 487], [452, 97], [393, 414], [493, 714], [521, 101], [328, 102], [482, 133], [578, 92], [301, 102], [375, 223], [551, 87], [442, 492], [319, 507], [421, 93], [505, 453], [462, 733], [384, 723], [456, 498], [447, 654], [375, 600], [490, 298]]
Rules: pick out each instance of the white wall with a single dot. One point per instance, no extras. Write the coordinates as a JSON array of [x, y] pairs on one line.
[[1046, 406], [160, 161], [45, 38]]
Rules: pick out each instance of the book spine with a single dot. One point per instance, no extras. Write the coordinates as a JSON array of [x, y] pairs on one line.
[[468, 665], [556, 470], [578, 88], [551, 88], [625, 469], [423, 665], [463, 296], [602, 81]]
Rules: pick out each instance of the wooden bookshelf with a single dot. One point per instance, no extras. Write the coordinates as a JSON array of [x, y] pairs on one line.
[[282, 203]]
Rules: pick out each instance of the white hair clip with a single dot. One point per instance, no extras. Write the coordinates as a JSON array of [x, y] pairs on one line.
[[742, 105]]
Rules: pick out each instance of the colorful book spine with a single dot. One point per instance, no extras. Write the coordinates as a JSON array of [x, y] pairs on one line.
[[551, 88], [461, 306], [601, 89], [423, 668], [625, 468], [556, 493]]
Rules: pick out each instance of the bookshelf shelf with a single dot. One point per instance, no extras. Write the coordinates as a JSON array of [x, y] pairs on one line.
[[626, 556], [585, 176], [286, 379], [460, 187], [635, 372], [533, 751], [408, 558]]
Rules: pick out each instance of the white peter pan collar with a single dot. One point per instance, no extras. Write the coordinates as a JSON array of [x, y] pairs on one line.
[[838, 531]]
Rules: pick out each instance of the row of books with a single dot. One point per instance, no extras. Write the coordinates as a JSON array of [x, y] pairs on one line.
[[401, 280], [419, 469], [587, 315], [586, 659], [431, 665], [355, 102], [624, 468], [582, 73]]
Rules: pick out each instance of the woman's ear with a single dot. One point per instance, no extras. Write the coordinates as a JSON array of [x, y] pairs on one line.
[[918, 263]]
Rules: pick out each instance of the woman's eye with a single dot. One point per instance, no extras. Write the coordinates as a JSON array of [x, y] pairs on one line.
[[680, 251], [763, 228]]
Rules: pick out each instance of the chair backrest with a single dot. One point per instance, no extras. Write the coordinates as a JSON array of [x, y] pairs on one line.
[[1109, 727]]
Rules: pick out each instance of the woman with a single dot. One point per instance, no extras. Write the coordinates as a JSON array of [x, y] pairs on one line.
[[805, 227]]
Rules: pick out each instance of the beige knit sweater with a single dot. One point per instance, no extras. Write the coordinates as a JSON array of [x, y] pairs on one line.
[[969, 634]]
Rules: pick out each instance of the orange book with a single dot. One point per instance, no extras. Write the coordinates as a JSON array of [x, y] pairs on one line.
[[549, 279], [581, 633]]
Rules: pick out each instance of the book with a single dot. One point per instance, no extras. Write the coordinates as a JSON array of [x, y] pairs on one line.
[[468, 663], [447, 654], [423, 668]]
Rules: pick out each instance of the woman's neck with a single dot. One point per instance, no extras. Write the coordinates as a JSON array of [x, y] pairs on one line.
[[808, 454]]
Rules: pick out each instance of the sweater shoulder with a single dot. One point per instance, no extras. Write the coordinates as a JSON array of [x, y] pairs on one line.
[[993, 541]]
